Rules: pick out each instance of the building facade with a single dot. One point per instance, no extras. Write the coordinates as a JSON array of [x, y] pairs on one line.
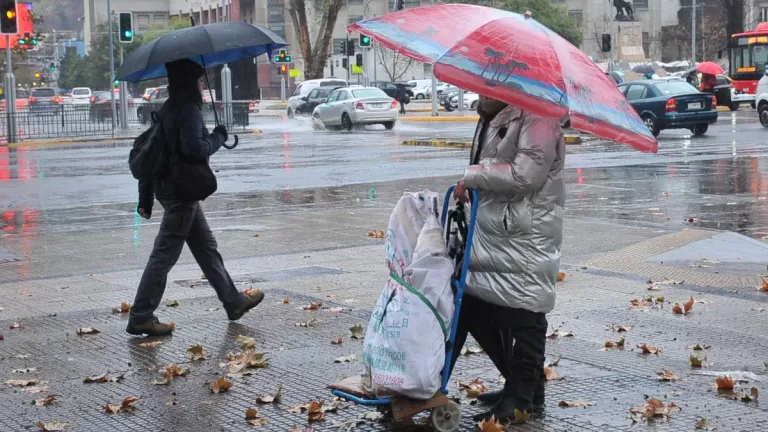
[[146, 13]]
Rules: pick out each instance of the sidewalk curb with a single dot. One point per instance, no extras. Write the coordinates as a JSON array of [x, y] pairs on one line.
[[438, 143], [472, 119], [86, 141]]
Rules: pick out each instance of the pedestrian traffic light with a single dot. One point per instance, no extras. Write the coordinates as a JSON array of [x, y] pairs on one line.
[[365, 41], [8, 21], [358, 60], [52, 67], [125, 20], [606, 45]]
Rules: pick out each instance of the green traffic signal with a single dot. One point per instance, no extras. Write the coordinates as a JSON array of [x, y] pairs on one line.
[[34, 41], [277, 59], [287, 59], [128, 33]]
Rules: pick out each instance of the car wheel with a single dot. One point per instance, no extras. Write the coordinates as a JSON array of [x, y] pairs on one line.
[[734, 106], [289, 113], [389, 125], [449, 109], [346, 122], [762, 112], [419, 96], [753, 105], [700, 129], [651, 123], [474, 105]]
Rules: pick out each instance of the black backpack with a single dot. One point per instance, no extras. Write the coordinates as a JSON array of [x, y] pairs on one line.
[[149, 156]]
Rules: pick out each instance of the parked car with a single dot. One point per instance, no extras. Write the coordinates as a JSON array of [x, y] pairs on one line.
[[723, 92], [101, 108], [446, 96], [347, 107], [155, 101], [422, 92], [761, 100], [305, 87], [44, 100], [22, 100], [313, 99], [82, 96], [390, 88], [671, 104]]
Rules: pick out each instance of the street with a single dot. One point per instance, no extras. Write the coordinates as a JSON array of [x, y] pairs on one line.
[[292, 215]]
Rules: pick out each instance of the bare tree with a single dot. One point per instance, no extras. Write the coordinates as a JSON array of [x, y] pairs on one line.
[[314, 55], [395, 64]]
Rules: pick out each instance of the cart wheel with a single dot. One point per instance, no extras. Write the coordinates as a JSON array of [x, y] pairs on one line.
[[446, 418]]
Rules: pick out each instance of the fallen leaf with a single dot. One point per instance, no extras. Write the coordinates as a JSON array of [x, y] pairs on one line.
[[52, 426], [703, 424], [256, 235], [174, 370], [21, 383], [238, 363], [298, 409], [677, 309], [48, 400], [270, 399], [696, 361], [312, 306], [465, 350], [124, 308], [251, 413], [637, 304], [103, 378], [287, 300], [746, 397], [15, 325], [554, 363], [87, 330], [315, 412], [334, 310], [357, 331], [688, 305], [345, 359], [621, 328], [165, 380], [25, 370], [473, 388], [221, 385], [724, 383], [491, 425], [153, 344], [575, 404], [550, 374], [125, 406], [522, 416], [379, 234], [306, 323], [612, 344], [556, 333], [246, 342], [172, 303], [649, 349], [654, 408], [338, 341], [667, 375], [196, 352], [561, 276], [764, 285], [257, 422], [698, 347]]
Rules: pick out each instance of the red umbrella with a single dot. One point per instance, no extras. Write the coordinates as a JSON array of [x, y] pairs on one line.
[[515, 59], [709, 68]]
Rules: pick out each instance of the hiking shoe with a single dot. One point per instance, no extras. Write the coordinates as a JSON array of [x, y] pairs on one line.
[[250, 301], [152, 327]]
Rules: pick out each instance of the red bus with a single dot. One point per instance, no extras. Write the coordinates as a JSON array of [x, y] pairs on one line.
[[749, 55]]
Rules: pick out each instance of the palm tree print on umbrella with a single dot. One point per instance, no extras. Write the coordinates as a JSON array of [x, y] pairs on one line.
[[493, 57], [506, 70]]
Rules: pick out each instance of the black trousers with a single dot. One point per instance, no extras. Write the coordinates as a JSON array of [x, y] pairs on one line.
[[515, 341]]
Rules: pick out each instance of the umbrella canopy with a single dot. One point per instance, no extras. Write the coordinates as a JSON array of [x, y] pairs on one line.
[[709, 68], [217, 44], [644, 69], [514, 59]]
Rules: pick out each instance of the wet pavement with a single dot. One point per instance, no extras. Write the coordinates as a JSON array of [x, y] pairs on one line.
[[292, 215]]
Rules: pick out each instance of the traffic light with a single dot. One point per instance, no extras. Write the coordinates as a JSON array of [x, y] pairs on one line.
[[282, 70], [8, 20], [37, 75], [350, 47], [344, 63], [125, 20], [365, 41], [24, 40], [282, 57], [358, 60], [52, 67], [606, 45]]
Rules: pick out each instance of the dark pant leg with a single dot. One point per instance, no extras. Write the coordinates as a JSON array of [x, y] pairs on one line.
[[528, 330], [467, 315], [204, 248], [176, 223]]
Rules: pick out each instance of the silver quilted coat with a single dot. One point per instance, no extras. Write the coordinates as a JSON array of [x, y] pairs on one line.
[[519, 229]]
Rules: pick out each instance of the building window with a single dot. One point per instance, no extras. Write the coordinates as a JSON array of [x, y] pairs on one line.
[[158, 19], [142, 22], [576, 15], [355, 18], [640, 4], [763, 13]]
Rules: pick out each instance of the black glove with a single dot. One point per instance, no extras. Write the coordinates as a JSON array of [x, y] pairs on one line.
[[221, 129]]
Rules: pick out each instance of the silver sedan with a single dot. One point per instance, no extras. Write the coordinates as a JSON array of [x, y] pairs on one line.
[[350, 106]]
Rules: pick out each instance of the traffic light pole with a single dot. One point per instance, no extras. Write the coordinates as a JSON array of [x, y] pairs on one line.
[[111, 63], [123, 97], [10, 92]]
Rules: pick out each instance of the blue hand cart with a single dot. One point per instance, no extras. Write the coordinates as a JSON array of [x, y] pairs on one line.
[[445, 414]]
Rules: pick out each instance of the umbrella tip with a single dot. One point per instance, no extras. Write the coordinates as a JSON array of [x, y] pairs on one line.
[[527, 14]]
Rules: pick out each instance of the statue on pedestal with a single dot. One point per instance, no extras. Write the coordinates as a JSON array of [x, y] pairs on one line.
[[624, 10]]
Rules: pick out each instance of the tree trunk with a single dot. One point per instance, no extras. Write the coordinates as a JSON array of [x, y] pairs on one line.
[[315, 56]]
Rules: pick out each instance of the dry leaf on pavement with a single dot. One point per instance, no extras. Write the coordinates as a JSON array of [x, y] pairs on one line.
[[764, 285], [312, 306], [174, 370], [743, 396], [338, 341], [357, 331], [298, 409], [196, 352], [649, 349], [688, 305], [21, 383], [257, 421], [287, 300], [638, 304], [618, 328], [613, 344], [87, 330], [246, 342], [554, 362], [654, 408], [124, 307], [16, 325], [103, 378], [667, 375], [220, 385], [696, 361], [251, 413], [153, 344], [724, 383], [306, 323], [270, 399], [172, 303], [346, 359], [465, 350], [550, 374], [315, 412], [556, 333], [703, 424], [238, 363], [491, 425], [125, 406], [52, 426], [698, 347], [25, 370], [379, 234], [561, 276], [48, 400], [575, 404], [473, 388]]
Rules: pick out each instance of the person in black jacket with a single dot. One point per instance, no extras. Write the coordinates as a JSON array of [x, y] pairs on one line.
[[183, 221]]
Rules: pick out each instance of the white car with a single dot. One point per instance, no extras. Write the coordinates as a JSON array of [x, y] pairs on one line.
[[350, 106], [470, 101], [422, 92], [761, 101], [82, 96], [303, 89]]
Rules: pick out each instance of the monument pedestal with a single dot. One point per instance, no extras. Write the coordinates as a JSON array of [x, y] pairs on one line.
[[629, 41]]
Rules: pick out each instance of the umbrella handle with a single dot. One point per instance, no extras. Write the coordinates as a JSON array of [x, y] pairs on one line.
[[228, 147]]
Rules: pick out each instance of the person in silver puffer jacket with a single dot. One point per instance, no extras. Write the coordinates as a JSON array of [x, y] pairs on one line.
[[517, 162]]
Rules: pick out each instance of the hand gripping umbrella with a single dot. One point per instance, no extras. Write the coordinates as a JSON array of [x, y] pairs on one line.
[[208, 45]]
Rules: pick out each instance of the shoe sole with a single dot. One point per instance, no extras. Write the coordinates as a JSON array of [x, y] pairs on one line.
[[133, 331], [235, 317]]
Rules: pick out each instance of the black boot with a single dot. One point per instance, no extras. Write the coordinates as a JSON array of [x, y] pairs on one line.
[[505, 413], [491, 397]]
